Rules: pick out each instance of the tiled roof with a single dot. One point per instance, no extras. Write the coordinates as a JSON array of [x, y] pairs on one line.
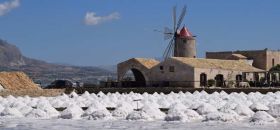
[[217, 64]]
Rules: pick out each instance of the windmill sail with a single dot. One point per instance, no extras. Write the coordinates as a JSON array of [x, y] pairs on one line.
[[169, 34]]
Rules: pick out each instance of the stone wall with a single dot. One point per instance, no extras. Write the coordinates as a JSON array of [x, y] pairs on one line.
[[124, 67], [185, 47], [272, 55], [212, 73], [262, 58], [183, 75]]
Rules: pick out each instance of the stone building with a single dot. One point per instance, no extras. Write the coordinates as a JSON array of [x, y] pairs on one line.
[[183, 71], [263, 59]]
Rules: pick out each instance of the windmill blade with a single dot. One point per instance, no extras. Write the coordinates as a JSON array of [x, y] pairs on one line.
[[174, 18], [168, 33], [169, 49], [181, 17]]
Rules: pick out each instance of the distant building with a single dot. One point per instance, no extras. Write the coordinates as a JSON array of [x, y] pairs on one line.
[[262, 59]]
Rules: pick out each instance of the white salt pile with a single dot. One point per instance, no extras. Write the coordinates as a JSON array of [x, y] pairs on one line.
[[122, 110], [73, 95], [262, 117], [11, 112], [25, 110], [175, 112], [243, 110], [97, 111], [1, 108], [138, 115], [206, 108], [100, 115], [153, 112], [95, 106], [220, 116], [72, 112], [259, 107], [37, 113], [184, 107], [274, 110]]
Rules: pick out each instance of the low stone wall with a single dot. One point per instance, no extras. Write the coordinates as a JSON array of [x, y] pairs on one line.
[[167, 90]]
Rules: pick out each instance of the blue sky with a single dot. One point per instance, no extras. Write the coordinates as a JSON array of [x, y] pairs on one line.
[[55, 30]]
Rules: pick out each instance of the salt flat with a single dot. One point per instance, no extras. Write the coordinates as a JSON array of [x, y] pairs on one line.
[[198, 110], [59, 124]]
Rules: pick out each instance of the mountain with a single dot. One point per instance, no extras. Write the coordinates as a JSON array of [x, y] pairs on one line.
[[11, 59]]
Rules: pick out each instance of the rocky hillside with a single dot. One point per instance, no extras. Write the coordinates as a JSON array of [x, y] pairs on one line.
[[11, 59]]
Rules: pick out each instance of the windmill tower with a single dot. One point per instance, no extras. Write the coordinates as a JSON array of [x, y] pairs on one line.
[[182, 43], [185, 45]]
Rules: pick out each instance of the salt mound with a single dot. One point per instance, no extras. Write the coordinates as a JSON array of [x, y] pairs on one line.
[[262, 117], [177, 106], [100, 94], [153, 112], [274, 110], [73, 95], [18, 104], [182, 115], [95, 106], [25, 110], [51, 112], [206, 108], [122, 110], [85, 94], [163, 103], [11, 112], [259, 107], [220, 116], [72, 112], [176, 113], [243, 110], [138, 115], [37, 113], [1, 108], [192, 115], [100, 114]]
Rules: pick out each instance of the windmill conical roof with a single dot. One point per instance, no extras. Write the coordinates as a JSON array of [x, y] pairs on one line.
[[185, 33]]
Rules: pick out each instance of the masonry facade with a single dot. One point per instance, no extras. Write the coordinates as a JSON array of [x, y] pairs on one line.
[[262, 59], [183, 71]]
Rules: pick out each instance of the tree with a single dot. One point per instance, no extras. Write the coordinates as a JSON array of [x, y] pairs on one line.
[[275, 68]]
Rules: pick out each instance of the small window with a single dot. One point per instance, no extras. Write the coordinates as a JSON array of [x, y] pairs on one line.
[[171, 69], [272, 62], [184, 40], [161, 67]]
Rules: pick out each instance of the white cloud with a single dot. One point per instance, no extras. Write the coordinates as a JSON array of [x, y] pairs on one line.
[[92, 19], [8, 6]]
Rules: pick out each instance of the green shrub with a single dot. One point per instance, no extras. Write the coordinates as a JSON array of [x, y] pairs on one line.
[[211, 82], [275, 68], [231, 84]]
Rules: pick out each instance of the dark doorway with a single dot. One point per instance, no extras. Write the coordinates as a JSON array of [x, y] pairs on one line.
[[203, 79], [256, 77], [238, 78], [138, 79], [219, 80]]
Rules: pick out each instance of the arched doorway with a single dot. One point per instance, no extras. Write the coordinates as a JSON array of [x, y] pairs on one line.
[[219, 80], [203, 79], [134, 78]]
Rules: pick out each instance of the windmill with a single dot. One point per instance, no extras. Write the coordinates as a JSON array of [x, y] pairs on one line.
[[172, 34]]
